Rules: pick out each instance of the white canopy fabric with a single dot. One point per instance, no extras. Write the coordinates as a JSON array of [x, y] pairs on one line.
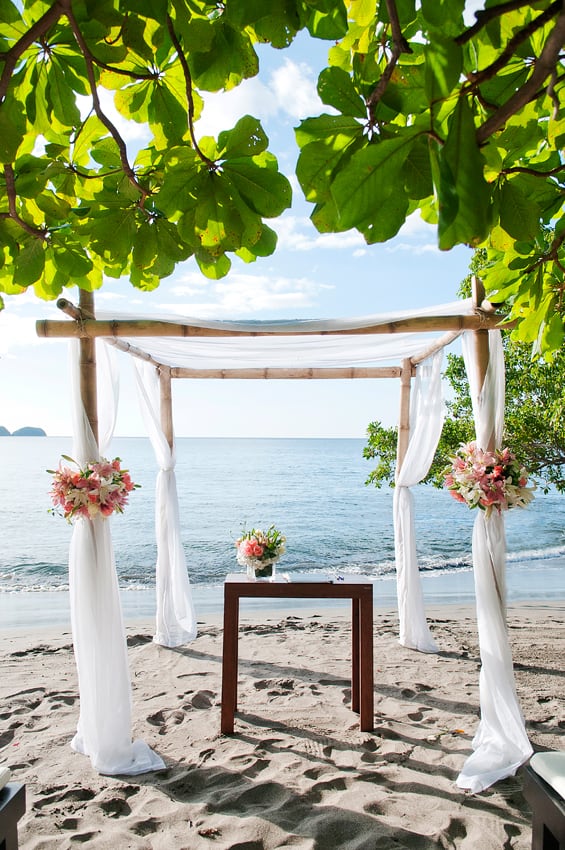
[[501, 744], [426, 421], [323, 346], [176, 618], [104, 731]]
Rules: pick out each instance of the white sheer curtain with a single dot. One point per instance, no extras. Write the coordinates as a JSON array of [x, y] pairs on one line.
[[426, 421], [501, 744], [104, 726], [176, 618]]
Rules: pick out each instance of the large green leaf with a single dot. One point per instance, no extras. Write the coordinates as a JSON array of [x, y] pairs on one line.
[[12, 128], [519, 216], [461, 175], [336, 89], [337, 130], [229, 60], [246, 139], [444, 60], [266, 191], [29, 263], [315, 167], [370, 177]]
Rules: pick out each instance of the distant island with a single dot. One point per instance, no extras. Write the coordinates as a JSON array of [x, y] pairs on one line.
[[28, 431]]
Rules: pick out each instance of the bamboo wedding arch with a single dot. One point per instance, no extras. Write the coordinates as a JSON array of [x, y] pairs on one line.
[[407, 346]]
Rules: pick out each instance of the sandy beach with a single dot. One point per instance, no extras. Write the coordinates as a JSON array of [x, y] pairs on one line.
[[297, 772]]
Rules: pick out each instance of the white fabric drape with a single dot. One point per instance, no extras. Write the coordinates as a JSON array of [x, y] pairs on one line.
[[501, 744], [176, 618], [104, 726], [426, 421]]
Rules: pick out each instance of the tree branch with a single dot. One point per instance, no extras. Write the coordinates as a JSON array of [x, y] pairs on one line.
[[399, 46], [544, 67], [12, 56], [551, 254], [89, 62], [190, 100], [516, 40], [522, 169], [483, 16]]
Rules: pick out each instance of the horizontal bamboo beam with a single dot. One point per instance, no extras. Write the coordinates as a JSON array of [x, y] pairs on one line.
[[89, 328], [270, 373]]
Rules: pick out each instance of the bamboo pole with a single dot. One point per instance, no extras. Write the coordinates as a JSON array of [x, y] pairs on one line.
[[166, 405], [147, 328], [404, 417], [442, 342], [481, 347], [87, 365], [276, 373]]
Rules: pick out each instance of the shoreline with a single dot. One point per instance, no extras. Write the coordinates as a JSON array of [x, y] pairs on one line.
[[536, 581]]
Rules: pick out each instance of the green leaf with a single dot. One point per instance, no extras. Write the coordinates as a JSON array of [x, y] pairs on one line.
[[444, 60], [8, 12], [29, 263], [336, 89], [461, 174], [60, 97], [12, 128], [386, 221], [217, 222], [362, 187], [265, 190], [337, 130], [112, 233], [71, 260], [246, 139], [417, 172], [330, 23], [519, 216], [314, 170], [214, 270], [167, 115], [444, 15], [230, 59], [264, 246]]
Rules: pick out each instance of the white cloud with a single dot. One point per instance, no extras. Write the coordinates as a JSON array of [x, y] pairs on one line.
[[299, 234], [290, 89], [294, 88], [245, 295]]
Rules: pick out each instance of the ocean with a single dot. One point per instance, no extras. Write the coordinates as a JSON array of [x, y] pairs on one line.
[[313, 490]]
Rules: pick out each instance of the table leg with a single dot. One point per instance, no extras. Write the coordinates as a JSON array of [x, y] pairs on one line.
[[366, 718], [355, 646], [229, 660]]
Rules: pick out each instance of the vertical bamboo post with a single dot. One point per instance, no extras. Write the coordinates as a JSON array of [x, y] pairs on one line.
[[87, 365], [481, 345], [166, 404], [404, 418]]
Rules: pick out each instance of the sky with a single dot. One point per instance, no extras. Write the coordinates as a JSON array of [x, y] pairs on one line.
[[311, 276]]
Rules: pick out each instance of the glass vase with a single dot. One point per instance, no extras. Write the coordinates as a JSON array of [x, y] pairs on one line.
[[262, 571]]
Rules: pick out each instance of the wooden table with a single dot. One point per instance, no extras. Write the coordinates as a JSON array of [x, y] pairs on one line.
[[361, 595]]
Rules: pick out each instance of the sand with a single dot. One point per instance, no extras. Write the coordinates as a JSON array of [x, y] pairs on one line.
[[297, 773]]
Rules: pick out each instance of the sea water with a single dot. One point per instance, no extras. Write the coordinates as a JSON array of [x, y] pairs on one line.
[[313, 490]]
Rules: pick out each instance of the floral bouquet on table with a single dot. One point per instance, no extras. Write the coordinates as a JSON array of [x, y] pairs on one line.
[[488, 480], [258, 551], [100, 488]]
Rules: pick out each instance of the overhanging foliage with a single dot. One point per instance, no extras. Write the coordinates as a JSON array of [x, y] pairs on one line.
[[463, 123]]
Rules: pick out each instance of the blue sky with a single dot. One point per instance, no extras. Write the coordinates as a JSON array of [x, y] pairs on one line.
[[310, 276]]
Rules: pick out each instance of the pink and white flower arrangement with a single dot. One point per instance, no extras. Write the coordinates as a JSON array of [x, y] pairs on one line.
[[488, 480], [99, 488], [258, 549]]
